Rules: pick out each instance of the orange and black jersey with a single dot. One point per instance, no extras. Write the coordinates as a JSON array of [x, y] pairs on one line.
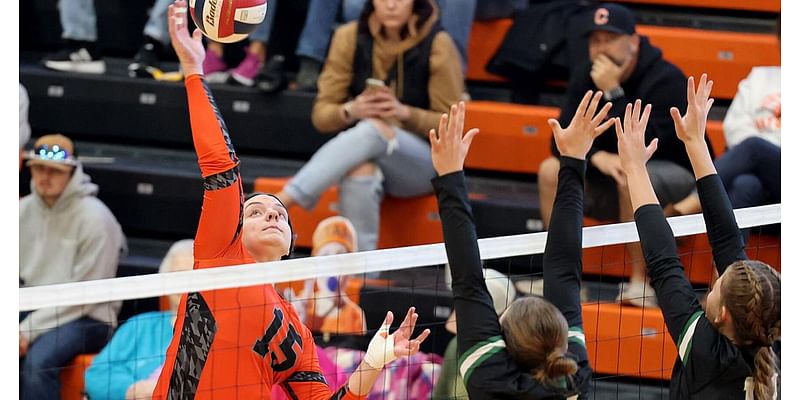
[[709, 365], [233, 343]]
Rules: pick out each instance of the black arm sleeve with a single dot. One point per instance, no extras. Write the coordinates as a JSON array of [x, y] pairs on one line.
[[723, 232], [674, 292], [476, 318], [562, 254]]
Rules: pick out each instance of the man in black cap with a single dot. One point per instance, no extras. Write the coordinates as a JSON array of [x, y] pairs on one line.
[[626, 67]]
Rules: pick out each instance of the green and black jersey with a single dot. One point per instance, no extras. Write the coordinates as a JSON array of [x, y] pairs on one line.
[[488, 370], [709, 365]]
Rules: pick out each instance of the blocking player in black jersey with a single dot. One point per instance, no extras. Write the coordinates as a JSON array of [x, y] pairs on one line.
[[725, 352], [536, 350]]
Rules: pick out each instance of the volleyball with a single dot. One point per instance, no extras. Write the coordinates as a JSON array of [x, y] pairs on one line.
[[227, 21]]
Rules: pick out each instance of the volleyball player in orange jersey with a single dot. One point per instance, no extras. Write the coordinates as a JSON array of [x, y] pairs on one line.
[[237, 343]]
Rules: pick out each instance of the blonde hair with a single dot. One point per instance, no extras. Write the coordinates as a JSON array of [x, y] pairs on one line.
[[184, 247], [751, 292]]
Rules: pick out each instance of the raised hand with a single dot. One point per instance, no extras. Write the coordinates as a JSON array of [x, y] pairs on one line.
[[403, 344], [630, 137], [576, 140], [385, 348], [448, 147], [691, 127], [189, 48]]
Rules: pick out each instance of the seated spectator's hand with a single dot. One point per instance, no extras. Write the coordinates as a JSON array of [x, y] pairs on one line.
[[390, 106], [385, 348], [606, 74], [691, 127], [576, 140], [630, 137], [141, 390], [189, 49], [448, 147], [23, 345], [371, 103], [609, 164]]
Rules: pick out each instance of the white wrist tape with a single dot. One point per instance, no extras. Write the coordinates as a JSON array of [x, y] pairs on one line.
[[381, 349]]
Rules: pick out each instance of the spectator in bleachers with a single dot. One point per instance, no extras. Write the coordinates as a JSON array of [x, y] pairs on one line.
[[456, 18], [751, 168], [65, 235], [128, 367], [79, 33], [380, 146], [245, 73], [156, 40], [624, 65], [450, 384]]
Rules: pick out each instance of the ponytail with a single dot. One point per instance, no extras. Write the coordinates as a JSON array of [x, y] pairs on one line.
[[765, 369], [557, 365], [751, 292]]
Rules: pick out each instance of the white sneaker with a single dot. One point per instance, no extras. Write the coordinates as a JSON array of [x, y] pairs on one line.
[[76, 60], [639, 294]]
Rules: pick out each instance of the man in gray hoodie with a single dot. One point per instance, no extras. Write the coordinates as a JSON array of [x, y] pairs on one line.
[[66, 235]]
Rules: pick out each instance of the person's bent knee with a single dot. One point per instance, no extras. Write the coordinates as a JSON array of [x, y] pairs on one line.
[[385, 129]]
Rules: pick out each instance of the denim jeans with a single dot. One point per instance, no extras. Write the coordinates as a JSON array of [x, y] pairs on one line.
[[157, 28], [40, 369], [751, 173], [456, 17], [78, 20], [406, 172]]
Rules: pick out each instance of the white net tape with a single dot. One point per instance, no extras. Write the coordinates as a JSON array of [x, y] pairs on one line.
[[154, 285]]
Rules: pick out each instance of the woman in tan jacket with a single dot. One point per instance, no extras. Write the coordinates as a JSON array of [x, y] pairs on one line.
[[388, 78]]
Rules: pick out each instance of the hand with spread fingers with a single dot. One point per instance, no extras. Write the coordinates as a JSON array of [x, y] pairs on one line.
[[633, 152], [449, 147], [189, 48], [576, 139], [385, 348], [691, 127]]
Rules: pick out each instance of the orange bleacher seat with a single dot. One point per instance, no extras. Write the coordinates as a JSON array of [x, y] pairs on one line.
[[485, 38], [72, 377], [726, 56], [751, 5], [513, 138], [717, 137], [628, 341], [404, 222]]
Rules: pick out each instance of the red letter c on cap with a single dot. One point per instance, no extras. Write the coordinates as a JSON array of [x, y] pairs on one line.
[[601, 16]]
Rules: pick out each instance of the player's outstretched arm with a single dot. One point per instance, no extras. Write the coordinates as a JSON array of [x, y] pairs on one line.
[[220, 217], [562, 256], [723, 232]]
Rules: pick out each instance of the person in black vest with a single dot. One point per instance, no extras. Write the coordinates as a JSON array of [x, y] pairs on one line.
[[624, 65], [388, 78]]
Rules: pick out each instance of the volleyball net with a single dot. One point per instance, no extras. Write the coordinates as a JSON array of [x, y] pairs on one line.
[[343, 299]]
